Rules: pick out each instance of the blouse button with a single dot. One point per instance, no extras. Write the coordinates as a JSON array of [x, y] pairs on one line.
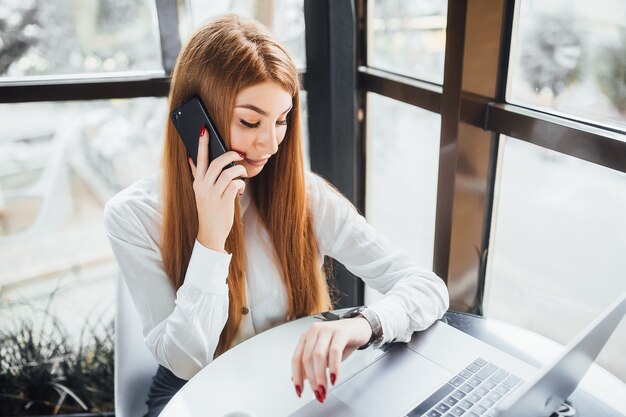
[[245, 310]]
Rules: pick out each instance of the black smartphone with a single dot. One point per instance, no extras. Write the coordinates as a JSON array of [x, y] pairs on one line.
[[188, 120]]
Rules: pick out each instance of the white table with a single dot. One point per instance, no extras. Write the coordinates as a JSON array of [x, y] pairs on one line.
[[253, 379]]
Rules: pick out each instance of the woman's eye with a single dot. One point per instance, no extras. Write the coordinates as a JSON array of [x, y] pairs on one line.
[[257, 124], [249, 125]]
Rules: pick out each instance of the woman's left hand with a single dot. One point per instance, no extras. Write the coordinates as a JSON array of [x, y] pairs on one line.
[[323, 346]]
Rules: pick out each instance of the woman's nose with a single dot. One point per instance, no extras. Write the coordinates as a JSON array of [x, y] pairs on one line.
[[268, 141]]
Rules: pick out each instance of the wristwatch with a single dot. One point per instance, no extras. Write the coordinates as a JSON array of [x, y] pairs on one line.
[[374, 322]]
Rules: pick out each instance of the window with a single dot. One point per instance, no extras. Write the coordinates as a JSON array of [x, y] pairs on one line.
[[284, 18], [553, 259], [55, 177], [569, 57], [552, 196], [402, 149], [408, 37], [557, 243], [46, 38]]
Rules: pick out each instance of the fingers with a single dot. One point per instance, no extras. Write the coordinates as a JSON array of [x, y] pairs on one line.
[[315, 359], [215, 214], [210, 173], [335, 355], [193, 167], [234, 187], [320, 364], [216, 167], [212, 169], [203, 151], [322, 347], [226, 179], [297, 370], [307, 360]]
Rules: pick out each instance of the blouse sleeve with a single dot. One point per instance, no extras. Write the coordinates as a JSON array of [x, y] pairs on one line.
[[181, 328], [414, 297]]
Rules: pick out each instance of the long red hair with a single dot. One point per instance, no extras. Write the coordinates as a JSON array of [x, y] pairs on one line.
[[220, 59]]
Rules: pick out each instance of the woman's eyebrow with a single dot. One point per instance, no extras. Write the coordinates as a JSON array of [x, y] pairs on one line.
[[258, 110]]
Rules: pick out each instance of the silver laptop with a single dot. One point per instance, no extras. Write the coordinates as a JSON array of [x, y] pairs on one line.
[[445, 372]]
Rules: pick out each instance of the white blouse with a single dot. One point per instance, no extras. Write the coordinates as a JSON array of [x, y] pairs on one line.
[[182, 328]]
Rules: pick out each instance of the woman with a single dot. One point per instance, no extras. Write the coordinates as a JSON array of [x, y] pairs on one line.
[[212, 257]]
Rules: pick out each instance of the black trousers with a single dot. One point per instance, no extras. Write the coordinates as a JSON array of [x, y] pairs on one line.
[[164, 385]]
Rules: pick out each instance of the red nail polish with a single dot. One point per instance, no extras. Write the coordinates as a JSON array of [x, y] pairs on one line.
[[317, 395], [202, 131], [242, 155], [322, 390], [298, 390], [333, 378]]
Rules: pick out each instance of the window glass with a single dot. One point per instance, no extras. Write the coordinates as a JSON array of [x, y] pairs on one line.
[[569, 57], [57, 271], [55, 177], [401, 178], [284, 18], [556, 256], [408, 37], [45, 37]]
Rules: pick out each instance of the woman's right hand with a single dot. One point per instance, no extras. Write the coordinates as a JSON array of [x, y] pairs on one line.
[[215, 190]]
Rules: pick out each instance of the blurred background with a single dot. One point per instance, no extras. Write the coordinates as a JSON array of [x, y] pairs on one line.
[[557, 231]]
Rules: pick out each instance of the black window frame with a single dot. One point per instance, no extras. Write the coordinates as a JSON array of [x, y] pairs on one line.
[[86, 87], [600, 145]]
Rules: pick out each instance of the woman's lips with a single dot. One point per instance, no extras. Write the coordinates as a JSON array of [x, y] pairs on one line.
[[257, 162]]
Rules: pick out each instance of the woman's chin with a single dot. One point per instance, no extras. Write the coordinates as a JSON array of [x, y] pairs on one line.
[[252, 170]]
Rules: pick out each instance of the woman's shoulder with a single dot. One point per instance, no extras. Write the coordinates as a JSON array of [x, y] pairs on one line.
[[332, 212], [320, 190], [316, 185], [138, 205], [324, 197]]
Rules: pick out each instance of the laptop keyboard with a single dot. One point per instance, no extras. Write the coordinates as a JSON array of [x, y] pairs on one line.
[[473, 392]]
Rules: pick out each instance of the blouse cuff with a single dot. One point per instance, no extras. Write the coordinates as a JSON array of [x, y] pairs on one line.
[[385, 315], [208, 270]]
